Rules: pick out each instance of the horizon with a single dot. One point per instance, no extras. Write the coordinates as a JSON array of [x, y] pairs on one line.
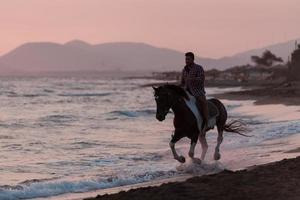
[[209, 28]]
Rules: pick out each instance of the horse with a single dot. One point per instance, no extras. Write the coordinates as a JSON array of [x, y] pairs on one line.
[[175, 98]]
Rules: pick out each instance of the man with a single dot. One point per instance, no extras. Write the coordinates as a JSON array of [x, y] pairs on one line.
[[192, 80]]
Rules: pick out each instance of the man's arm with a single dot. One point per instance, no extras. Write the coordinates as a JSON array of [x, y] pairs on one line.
[[182, 81]]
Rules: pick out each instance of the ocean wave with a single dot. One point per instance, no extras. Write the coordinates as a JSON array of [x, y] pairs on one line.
[[6, 137], [81, 145], [31, 181], [85, 94], [15, 125], [56, 119], [145, 157], [48, 91], [136, 113], [232, 106], [201, 167], [8, 93], [36, 189], [26, 95], [262, 132]]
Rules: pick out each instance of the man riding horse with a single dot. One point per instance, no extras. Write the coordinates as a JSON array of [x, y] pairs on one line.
[[186, 122], [193, 81]]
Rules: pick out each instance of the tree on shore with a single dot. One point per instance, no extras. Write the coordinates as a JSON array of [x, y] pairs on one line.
[[267, 59]]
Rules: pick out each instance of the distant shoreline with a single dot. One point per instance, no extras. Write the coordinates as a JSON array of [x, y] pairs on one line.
[[287, 94]]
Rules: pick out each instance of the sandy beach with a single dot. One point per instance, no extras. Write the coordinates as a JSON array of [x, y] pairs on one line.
[[279, 180]]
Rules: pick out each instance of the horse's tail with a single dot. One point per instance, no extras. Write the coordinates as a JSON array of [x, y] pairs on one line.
[[236, 126]]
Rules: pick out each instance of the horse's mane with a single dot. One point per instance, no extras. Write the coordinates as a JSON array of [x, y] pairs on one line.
[[178, 90]]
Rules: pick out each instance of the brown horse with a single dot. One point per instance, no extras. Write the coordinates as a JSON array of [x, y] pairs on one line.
[[173, 97]]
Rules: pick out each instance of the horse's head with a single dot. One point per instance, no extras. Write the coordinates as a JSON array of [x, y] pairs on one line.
[[164, 101]]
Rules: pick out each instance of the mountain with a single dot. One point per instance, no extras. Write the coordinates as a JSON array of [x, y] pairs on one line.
[[282, 50], [76, 55], [80, 56]]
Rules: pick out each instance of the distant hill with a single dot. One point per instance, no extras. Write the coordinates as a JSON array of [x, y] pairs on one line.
[[282, 50], [76, 55]]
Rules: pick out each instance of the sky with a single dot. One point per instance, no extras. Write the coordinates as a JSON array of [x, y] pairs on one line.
[[210, 28]]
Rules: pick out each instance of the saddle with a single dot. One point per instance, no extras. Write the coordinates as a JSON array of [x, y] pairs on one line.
[[213, 112], [212, 109]]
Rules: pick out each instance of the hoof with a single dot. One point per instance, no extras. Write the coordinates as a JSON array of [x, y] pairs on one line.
[[181, 159], [197, 161], [217, 156], [191, 155]]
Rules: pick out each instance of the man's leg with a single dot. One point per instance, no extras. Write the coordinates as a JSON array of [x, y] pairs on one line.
[[203, 108]]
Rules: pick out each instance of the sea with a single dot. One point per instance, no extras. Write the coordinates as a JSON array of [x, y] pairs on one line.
[[62, 136]]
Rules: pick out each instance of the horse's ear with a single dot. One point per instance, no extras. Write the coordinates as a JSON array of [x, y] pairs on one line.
[[154, 88]]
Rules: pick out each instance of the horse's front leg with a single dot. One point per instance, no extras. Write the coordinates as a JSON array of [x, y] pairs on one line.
[[192, 147], [192, 150], [204, 145], [172, 146]]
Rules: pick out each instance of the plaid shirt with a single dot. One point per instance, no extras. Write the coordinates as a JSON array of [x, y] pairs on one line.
[[193, 79]]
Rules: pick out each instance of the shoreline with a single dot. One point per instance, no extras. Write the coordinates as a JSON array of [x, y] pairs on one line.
[[115, 190], [276, 180], [289, 152], [282, 94]]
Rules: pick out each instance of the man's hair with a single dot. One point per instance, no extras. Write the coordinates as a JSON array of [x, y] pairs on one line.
[[190, 54]]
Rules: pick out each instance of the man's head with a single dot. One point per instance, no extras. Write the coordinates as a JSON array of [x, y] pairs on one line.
[[189, 58]]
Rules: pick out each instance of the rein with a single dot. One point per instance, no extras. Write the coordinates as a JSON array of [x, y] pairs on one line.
[[174, 102]]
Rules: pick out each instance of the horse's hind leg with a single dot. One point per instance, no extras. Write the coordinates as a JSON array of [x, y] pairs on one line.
[[204, 145], [221, 121], [217, 154]]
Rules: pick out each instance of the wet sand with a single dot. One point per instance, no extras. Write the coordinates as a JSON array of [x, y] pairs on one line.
[[273, 181], [297, 150]]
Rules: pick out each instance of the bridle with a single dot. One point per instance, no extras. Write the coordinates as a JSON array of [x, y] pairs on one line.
[[168, 99], [174, 102]]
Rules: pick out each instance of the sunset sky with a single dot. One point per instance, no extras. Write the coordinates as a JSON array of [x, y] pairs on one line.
[[211, 28]]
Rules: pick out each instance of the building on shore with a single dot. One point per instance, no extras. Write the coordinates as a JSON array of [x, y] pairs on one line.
[[172, 75], [294, 65]]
